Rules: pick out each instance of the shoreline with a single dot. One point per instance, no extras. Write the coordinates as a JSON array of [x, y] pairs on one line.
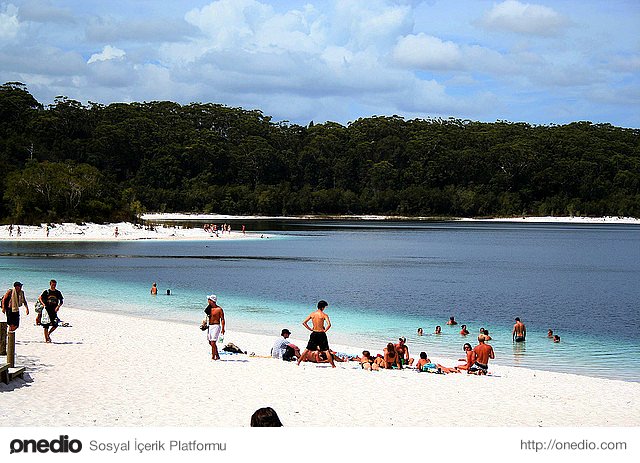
[[126, 357]]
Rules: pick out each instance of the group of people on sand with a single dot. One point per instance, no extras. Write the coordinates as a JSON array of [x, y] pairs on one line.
[[214, 229], [47, 308]]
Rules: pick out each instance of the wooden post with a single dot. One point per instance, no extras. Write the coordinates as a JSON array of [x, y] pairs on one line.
[[11, 349], [3, 338]]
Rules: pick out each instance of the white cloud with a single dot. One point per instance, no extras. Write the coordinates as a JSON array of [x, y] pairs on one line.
[[9, 23], [108, 53], [524, 18], [427, 52]]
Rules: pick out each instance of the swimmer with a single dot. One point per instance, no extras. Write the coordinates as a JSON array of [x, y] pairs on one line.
[[556, 338], [464, 331], [452, 321], [438, 330], [420, 332]]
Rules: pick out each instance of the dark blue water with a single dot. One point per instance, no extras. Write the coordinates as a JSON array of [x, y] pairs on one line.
[[382, 280]]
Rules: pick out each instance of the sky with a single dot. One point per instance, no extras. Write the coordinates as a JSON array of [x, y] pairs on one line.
[[545, 62]]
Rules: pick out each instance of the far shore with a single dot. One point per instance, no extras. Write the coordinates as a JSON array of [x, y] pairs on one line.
[[167, 226], [179, 217]]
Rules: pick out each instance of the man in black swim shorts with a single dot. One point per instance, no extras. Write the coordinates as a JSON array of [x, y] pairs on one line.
[[318, 339]]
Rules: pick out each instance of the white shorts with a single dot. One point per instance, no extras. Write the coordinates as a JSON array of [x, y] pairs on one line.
[[213, 333]]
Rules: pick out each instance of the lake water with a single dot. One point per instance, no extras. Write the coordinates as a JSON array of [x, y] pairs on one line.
[[382, 280]]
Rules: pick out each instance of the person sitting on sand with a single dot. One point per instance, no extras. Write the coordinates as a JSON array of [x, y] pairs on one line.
[[464, 331], [403, 351], [484, 352], [425, 364], [438, 330], [470, 357], [391, 357], [452, 321], [367, 362], [284, 349]]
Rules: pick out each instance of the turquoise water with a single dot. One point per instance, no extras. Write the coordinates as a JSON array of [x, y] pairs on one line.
[[382, 280]]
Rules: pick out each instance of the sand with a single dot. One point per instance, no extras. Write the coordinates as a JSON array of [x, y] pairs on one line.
[[116, 370]]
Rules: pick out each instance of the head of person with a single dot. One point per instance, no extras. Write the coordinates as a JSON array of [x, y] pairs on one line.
[[466, 346], [517, 319], [17, 285], [481, 339], [402, 340], [266, 418], [419, 331], [285, 333], [423, 355], [53, 284], [550, 333], [366, 354], [322, 305], [451, 319], [390, 348], [482, 330], [212, 299], [438, 329], [154, 284], [486, 332], [464, 327], [556, 338]]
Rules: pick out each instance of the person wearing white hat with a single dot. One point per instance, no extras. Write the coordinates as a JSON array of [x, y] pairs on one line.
[[216, 324]]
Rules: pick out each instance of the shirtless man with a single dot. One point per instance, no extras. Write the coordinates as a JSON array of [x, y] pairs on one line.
[[519, 332], [403, 351], [464, 331], [216, 324], [483, 352], [318, 338]]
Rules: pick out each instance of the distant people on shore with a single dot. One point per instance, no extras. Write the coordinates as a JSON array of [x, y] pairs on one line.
[[403, 351], [216, 324], [318, 338], [116, 232], [12, 300], [154, 289], [11, 230], [283, 349], [438, 330], [452, 321], [483, 352], [519, 332], [464, 331], [52, 300], [265, 418]]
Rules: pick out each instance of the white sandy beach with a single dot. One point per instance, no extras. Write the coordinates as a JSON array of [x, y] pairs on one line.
[[116, 370]]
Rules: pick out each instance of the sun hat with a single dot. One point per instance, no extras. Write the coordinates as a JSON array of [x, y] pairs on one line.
[[212, 297]]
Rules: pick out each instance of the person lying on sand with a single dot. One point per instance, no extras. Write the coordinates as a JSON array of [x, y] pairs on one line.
[[425, 364], [367, 362], [321, 357]]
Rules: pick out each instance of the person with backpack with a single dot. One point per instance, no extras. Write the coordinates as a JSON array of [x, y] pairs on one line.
[[12, 300], [51, 299]]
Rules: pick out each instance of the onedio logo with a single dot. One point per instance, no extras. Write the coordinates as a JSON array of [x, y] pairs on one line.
[[61, 445]]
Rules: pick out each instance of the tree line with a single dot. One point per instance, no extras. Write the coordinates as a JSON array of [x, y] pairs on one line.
[[73, 162]]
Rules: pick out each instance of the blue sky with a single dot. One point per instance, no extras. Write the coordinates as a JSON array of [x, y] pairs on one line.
[[541, 62]]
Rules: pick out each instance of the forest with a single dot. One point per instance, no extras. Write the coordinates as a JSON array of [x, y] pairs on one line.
[[69, 161]]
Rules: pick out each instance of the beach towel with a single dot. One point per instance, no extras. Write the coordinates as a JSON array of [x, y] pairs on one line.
[[16, 300]]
